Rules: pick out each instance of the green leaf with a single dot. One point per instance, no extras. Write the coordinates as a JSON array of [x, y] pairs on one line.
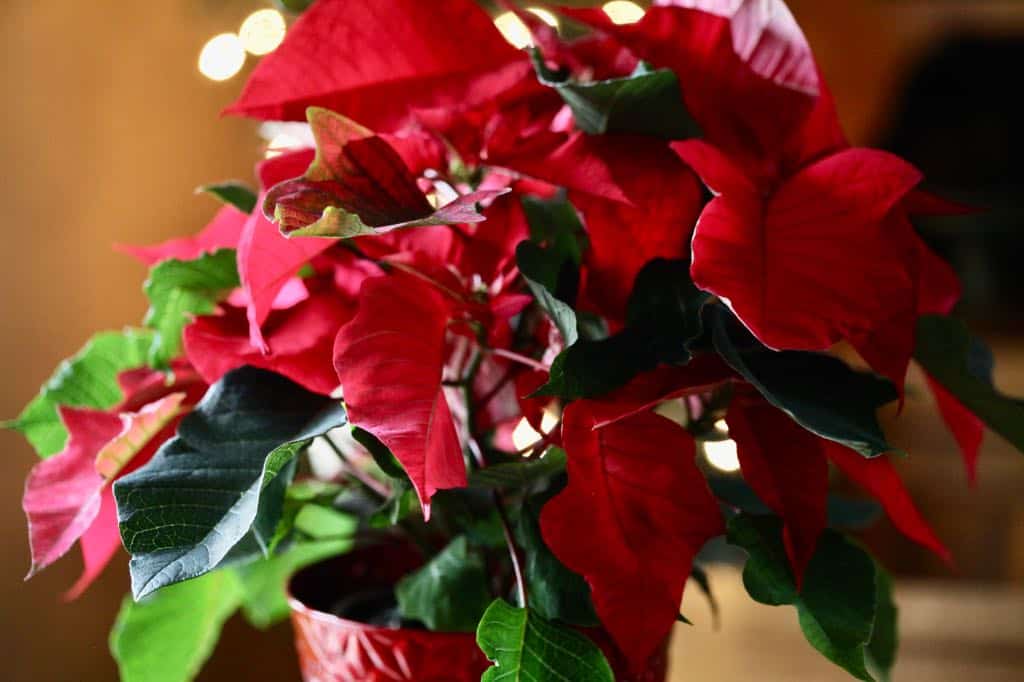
[[449, 593], [556, 593], [381, 454], [324, 523], [218, 487], [178, 290], [519, 474], [820, 392], [663, 318], [233, 193], [169, 636], [837, 603], [544, 271], [87, 379], [555, 223], [264, 582], [885, 636], [963, 365], [647, 102], [526, 648]]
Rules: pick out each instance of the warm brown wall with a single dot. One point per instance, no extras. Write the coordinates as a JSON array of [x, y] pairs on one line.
[[107, 128]]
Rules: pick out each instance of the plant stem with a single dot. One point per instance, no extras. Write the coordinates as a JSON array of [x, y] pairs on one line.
[[516, 357], [369, 481]]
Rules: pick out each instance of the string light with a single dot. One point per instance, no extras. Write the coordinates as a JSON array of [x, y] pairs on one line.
[[222, 57], [722, 454], [262, 31], [544, 15], [513, 29], [623, 11], [524, 435]]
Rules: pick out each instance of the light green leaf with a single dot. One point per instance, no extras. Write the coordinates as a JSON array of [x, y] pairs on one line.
[[543, 271], [232, 193], [963, 365], [264, 582], [178, 290], [449, 593], [526, 648], [87, 379], [215, 492], [169, 636]]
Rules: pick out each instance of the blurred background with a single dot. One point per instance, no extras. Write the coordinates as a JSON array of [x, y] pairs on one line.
[[111, 120]]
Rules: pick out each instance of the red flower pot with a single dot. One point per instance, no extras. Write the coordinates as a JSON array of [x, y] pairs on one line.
[[333, 649]]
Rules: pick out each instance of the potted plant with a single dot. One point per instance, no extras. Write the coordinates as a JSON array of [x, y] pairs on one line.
[[457, 364]]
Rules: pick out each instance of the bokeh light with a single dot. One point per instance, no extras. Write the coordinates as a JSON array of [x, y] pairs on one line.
[[513, 30], [222, 57], [623, 11], [262, 31], [722, 455], [544, 15]]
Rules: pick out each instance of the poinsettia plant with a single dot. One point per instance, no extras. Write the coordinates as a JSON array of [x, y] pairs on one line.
[[496, 310]]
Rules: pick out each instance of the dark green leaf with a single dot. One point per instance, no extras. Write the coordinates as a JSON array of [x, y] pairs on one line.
[[178, 290], [169, 636], [381, 454], [837, 603], [819, 391], [233, 193], [521, 473], [87, 379], [963, 365], [885, 636], [543, 271], [555, 223], [449, 594], [217, 484], [556, 593], [663, 317], [843, 512], [526, 648], [647, 102]]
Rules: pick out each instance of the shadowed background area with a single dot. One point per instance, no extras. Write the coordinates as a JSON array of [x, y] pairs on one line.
[[108, 127]]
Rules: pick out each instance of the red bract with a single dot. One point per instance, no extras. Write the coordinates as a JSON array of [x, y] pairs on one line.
[[808, 262], [785, 465], [747, 73], [374, 60], [390, 359], [64, 494], [300, 341], [879, 478], [634, 514]]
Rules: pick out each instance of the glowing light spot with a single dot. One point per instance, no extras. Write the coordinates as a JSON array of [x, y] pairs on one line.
[[222, 57], [722, 455], [524, 435], [262, 31], [623, 11], [544, 15], [513, 30], [281, 143]]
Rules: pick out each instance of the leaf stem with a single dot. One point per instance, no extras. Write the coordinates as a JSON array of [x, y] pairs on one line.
[[369, 481], [516, 357]]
